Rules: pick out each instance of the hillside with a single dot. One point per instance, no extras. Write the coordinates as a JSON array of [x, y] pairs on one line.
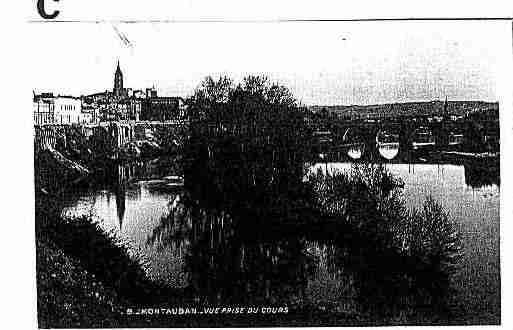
[[457, 108]]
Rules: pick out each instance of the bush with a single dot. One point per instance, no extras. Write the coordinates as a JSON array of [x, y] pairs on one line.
[[367, 197], [429, 234]]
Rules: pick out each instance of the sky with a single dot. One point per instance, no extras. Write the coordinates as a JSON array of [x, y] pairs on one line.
[[323, 63]]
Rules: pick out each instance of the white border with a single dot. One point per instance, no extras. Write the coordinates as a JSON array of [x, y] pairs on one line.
[[18, 308]]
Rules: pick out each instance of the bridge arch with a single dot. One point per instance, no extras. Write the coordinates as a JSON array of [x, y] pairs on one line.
[[353, 143], [422, 137], [388, 142]]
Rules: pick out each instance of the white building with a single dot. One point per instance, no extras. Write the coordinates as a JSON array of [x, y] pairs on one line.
[[50, 109], [68, 110], [43, 108]]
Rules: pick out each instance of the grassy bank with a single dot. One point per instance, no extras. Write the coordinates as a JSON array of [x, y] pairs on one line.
[[69, 296]]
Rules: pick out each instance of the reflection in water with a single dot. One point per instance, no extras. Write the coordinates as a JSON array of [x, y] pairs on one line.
[[227, 263], [387, 142], [119, 191], [472, 176], [208, 252], [388, 150], [356, 150], [480, 176], [475, 209]]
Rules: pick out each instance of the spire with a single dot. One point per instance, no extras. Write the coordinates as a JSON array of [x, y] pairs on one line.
[[118, 90], [118, 68]]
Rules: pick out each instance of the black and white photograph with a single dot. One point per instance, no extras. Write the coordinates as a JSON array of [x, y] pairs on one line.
[[282, 173]]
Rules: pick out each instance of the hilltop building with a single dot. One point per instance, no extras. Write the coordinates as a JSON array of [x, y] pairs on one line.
[[118, 104], [161, 108], [61, 109], [118, 91], [134, 104]]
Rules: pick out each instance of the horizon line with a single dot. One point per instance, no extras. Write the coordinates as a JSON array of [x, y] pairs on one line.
[[300, 103], [399, 102]]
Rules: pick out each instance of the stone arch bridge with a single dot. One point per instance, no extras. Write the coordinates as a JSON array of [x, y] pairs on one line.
[[113, 134], [367, 140]]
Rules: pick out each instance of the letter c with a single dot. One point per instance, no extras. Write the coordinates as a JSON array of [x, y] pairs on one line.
[[43, 13]]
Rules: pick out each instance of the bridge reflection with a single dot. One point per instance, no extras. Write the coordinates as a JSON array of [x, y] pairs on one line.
[[388, 150]]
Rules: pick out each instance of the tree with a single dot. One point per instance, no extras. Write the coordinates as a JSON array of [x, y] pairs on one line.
[[208, 99], [248, 136], [254, 99]]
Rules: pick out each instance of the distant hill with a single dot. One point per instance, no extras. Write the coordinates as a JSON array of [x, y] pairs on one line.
[[457, 108]]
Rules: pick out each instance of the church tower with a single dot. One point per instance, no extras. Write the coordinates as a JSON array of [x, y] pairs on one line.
[[118, 90]]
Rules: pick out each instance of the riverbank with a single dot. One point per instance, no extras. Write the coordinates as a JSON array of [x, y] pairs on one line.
[[482, 159], [87, 277], [68, 295]]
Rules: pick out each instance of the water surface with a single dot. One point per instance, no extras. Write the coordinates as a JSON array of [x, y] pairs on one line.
[[205, 251]]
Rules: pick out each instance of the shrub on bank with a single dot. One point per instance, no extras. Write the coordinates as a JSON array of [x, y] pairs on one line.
[[407, 256], [430, 234], [367, 197], [53, 171]]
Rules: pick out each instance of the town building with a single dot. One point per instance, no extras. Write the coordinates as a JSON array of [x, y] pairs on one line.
[[43, 109], [120, 103], [118, 91], [68, 110], [60, 109], [126, 109], [161, 108]]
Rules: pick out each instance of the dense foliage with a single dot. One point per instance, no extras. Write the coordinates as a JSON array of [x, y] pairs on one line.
[[247, 140]]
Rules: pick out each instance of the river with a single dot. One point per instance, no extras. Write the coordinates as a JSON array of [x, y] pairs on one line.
[[201, 251]]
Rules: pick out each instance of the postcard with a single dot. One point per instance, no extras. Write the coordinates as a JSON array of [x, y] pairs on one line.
[[208, 171]]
